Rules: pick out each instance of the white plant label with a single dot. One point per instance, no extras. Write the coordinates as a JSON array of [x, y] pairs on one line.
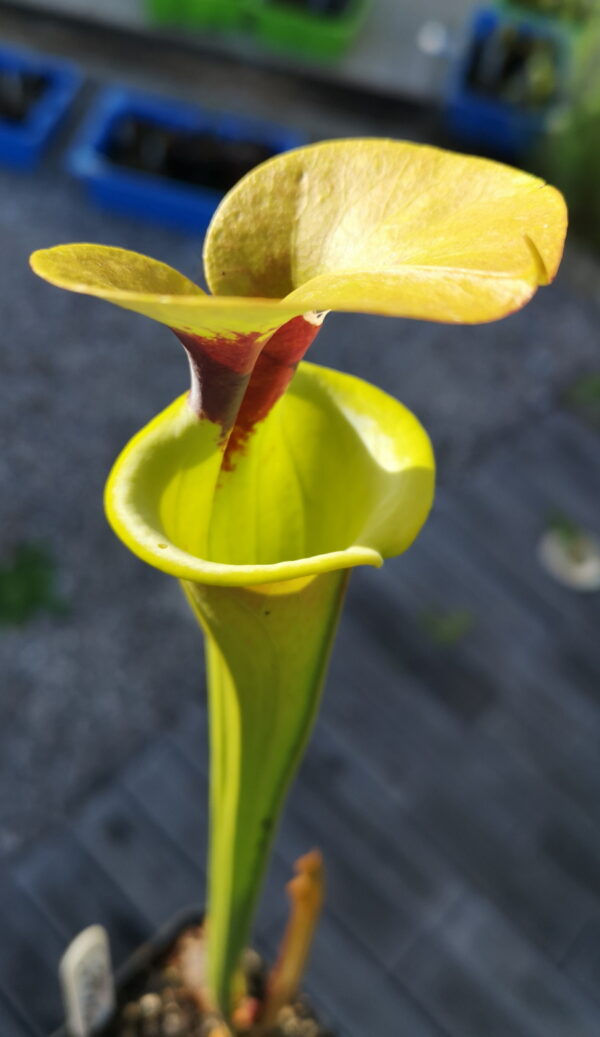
[[87, 983]]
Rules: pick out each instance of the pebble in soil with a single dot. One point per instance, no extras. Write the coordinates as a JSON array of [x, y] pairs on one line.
[[161, 1004]]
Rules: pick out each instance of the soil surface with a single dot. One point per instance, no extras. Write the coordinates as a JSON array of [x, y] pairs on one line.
[[162, 1002]]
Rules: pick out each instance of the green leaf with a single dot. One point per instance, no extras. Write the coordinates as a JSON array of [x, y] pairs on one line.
[[446, 627], [27, 586], [583, 396], [267, 652]]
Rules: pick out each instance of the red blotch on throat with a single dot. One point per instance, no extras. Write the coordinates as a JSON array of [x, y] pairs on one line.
[[237, 379], [220, 369], [273, 372]]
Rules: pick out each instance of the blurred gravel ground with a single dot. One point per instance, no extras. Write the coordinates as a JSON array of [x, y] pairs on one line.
[[80, 693]]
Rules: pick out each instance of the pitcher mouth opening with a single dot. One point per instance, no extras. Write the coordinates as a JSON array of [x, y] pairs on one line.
[[149, 542], [140, 514], [337, 475]]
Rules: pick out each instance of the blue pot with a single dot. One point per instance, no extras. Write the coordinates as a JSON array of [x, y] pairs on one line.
[[54, 84], [99, 158], [491, 123]]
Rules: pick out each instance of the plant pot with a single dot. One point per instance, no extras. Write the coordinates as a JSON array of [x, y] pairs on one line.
[[36, 93], [140, 978], [217, 14], [554, 10], [133, 973], [483, 105], [169, 12], [164, 161], [321, 29]]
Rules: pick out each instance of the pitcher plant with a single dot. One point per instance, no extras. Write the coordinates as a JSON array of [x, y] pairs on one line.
[[263, 485]]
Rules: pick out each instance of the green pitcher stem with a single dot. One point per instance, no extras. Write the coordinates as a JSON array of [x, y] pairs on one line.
[[267, 653]]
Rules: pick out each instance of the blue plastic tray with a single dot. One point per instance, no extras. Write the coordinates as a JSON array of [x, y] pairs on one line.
[[22, 144], [494, 125], [148, 195]]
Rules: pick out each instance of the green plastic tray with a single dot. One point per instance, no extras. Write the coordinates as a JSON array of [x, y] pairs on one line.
[[165, 11], [218, 14], [286, 27]]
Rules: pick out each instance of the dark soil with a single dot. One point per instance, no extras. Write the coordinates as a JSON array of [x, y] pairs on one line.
[[19, 91], [514, 66], [203, 159], [161, 1002]]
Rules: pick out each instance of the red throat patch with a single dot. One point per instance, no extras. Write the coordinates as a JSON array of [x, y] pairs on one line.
[[221, 369], [236, 380], [273, 372]]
